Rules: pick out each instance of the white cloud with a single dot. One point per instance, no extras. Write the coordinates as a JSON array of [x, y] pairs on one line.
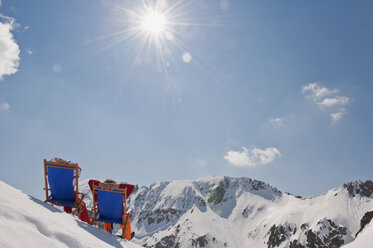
[[330, 102], [9, 50], [5, 106], [326, 99], [252, 157], [315, 91], [276, 121], [336, 116], [29, 51]]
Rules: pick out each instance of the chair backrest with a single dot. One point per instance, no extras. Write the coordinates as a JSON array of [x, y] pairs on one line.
[[111, 202], [61, 182]]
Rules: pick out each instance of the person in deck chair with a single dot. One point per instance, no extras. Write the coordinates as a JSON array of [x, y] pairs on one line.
[[109, 226], [84, 216]]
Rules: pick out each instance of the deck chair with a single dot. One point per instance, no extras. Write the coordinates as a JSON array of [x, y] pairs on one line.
[[110, 205], [61, 190]]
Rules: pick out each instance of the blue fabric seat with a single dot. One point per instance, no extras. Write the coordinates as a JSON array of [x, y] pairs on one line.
[[61, 184], [60, 177], [110, 205]]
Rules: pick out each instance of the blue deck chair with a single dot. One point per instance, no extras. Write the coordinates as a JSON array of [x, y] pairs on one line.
[[60, 177], [110, 204]]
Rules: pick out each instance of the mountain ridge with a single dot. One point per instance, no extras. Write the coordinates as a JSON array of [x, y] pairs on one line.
[[240, 212]]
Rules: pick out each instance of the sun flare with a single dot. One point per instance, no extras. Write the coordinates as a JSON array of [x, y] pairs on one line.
[[155, 31], [154, 22]]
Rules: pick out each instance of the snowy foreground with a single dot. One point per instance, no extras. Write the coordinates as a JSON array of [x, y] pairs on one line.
[[29, 222], [208, 212], [364, 240]]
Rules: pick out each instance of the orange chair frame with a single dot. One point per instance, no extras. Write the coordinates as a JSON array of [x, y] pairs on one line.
[[110, 187]]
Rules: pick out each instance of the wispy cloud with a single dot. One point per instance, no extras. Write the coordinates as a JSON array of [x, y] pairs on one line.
[[253, 157], [316, 92], [327, 99], [336, 116], [9, 50], [334, 101], [4, 106], [276, 121]]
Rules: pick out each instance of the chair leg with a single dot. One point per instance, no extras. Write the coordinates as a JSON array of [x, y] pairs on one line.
[[48, 198], [108, 227], [125, 226], [78, 208]]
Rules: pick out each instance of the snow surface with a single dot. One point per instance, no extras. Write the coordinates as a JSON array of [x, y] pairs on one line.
[[29, 222], [364, 239]]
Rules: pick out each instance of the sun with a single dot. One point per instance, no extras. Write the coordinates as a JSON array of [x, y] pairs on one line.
[[154, 31], [154, 22]]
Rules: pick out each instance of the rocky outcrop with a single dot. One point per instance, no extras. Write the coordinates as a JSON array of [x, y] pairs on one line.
[[364, 221], [166, 242], [216, 195], [359, 188], [201, 241], [162, 215], [278, 234], [328, 235], [200, 203], [295, 244]]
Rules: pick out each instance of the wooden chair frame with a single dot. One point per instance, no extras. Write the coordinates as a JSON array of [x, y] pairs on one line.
[[66, 166], [110, 187]]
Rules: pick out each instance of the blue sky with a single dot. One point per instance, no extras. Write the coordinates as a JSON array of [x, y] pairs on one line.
[[279, 91]]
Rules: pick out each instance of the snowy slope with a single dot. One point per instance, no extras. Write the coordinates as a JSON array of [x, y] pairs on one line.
[[28, 222], [364, 239], [241, 212]]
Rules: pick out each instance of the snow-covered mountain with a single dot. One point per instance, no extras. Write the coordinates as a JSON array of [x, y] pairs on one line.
[[208, 212], [241, 212]]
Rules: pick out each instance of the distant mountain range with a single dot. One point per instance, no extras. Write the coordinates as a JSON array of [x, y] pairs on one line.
[[242, 212]]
